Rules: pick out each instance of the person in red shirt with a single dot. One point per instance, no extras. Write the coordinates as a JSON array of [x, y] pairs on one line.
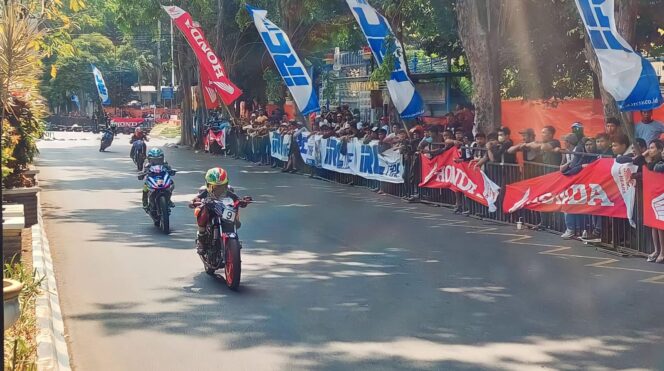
[[138, 135]]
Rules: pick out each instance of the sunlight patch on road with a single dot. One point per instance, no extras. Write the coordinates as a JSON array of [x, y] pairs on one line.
[[486, 294]]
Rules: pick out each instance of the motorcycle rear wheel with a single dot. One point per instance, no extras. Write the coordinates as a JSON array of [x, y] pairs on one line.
[[233, 267]]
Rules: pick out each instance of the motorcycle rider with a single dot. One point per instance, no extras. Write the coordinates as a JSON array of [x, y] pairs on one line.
[[138, 135], [155, 157], [111, 130], [216, 187]]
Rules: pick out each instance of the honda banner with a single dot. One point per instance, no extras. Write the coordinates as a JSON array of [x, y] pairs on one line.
[[443, 171], [626, 75], [208, 90], [288, 63], [207, 58], [381, 39], [653, 199], [604, 187]]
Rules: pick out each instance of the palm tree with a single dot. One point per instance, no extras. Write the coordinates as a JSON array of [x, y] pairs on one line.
[[21, 106]]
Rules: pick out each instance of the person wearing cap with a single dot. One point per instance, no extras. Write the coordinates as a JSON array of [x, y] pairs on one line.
[[527, 137], [648, 129], [547, 151]]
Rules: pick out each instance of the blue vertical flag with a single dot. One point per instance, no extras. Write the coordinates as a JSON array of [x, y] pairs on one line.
[[626, 75], [74, 98], [377, 29], [101, 86], [289, 65]]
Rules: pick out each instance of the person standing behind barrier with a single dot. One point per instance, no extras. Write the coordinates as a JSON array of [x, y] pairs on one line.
[[549, 147], [648, 128], [576, 162], [527, 137], [620, 145], [603, 145], [612, 128], [416, 135], [655, 163]]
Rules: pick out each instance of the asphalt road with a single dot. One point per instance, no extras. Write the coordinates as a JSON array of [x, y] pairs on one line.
[[334, 277]]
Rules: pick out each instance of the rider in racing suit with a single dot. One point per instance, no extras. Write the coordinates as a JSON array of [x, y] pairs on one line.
[[216, 187], [155, 157], [138, 135]]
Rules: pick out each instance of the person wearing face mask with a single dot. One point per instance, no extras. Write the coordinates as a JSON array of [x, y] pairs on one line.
[[498, 150]]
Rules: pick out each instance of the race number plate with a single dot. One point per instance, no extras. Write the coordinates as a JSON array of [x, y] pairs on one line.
[[228, 215]]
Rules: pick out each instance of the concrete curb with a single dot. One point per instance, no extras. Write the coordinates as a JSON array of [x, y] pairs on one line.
[[52, 352]]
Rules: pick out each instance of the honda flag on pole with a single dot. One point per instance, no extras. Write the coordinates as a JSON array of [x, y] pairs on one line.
[[205, 55], [653, 199], [604, 187], [210, 95], [443, 171], [630, 78]]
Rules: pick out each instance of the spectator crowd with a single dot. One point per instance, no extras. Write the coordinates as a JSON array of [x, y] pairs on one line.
[[568, 153]]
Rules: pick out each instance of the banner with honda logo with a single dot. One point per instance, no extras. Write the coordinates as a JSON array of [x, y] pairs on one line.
[[208, 60], [653, 199], [443, 171], [604, 188]]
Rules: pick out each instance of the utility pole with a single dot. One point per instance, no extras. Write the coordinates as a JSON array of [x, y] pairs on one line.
[[172, 66], [158, 87]]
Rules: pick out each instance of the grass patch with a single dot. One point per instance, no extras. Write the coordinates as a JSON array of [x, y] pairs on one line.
[[166, 130], [20, 346]]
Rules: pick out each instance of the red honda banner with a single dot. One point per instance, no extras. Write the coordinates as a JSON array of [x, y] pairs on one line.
[[209, 92], [604, 187], [207, 59], [653, 199], [443, 171]]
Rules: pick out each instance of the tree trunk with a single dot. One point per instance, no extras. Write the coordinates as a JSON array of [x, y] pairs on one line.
[[184, 67], [479, 31], [626, 25]]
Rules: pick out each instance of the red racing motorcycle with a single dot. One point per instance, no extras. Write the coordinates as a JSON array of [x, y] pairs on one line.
[[223, 243]]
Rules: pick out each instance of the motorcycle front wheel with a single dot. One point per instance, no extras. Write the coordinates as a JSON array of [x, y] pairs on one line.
[[164, 222], [232, 267]]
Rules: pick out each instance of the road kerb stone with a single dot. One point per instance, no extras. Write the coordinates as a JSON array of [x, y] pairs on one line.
[[52, 352]]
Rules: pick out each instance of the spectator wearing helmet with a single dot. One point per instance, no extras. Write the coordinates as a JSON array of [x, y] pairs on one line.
[[155, 157], [138, 135], [216, 188]]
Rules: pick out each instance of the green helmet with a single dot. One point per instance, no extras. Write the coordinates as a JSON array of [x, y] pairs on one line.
[[216, 176], [156, 156]]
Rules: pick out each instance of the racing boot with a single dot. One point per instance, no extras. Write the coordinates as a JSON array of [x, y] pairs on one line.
[[201, 238], [145, 201]]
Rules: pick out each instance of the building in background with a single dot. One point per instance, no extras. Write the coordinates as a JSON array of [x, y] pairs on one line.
[[347, 81]]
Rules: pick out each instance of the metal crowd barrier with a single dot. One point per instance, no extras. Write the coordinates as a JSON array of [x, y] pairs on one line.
[[615, 232]]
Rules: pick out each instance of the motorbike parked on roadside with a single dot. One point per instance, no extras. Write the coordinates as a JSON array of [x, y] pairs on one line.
[[159, 182], [223, 243]]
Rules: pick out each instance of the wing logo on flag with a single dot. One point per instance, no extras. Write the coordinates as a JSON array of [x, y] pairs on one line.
[[211, 94], [521, 203], [658, 207], [225, 87]]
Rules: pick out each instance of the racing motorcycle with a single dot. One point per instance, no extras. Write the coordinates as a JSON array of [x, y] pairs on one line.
[[223, 244], [160, 188], [138, 149], [214, 140], [106, 140]]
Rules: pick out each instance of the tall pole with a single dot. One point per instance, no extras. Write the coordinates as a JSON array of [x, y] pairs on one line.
[[158, 87], [172, 59]]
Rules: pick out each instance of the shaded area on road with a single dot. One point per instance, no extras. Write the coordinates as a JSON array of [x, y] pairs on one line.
[[333, 278]]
